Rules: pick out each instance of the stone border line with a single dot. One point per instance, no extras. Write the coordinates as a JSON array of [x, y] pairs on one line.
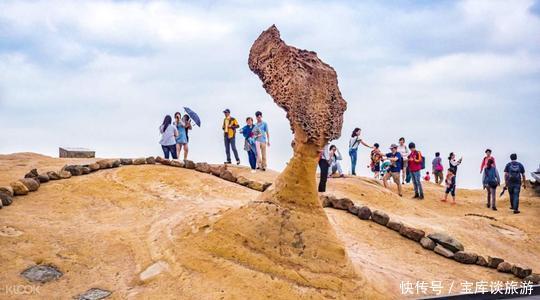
[[440, 243]]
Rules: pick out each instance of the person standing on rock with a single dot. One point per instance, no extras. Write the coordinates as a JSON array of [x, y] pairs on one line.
[[376, 157], [324, 165], [450, 186], [229, 134], [395, 168], [514, 176], [168, 138], [485, 160], [453, 162], [437, 168], [404, 151], [262, 141], [181, 140], [415, 166], [249, 143], [354, 142], [491, 180]]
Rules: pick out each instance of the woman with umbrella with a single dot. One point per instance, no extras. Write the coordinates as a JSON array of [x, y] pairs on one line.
[[183, 124]]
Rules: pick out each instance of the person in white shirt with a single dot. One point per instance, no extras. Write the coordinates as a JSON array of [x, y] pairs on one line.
[[335, 157], [168, 138], [404, 151], [354, 142]]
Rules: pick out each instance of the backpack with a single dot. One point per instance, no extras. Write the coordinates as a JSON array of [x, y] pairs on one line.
[[491, 178], [514, 173], [423, 162]]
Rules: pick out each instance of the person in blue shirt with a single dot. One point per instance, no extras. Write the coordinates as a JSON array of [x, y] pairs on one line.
[[249, 143], [262, 141], [514, 176], [182, 124], [395, 168]]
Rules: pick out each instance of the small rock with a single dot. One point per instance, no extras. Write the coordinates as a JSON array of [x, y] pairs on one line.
[[504, 267], [43, 178], [31, 183], [534, 278], [126, 161], [354, 210], [105, 164], [94, 294], [86, 170], [5, 199], [176, 163], [7, 189], [521, 272], [159, 159], [447, 241], [64, 174], [42, 273], [74, 170], [266, 185], [32, 174], [189, 164], [150, 160], [439, 249], [380, 217], [217, 170], [241, 180], [427, 243], [164, 162], [342, 203], [53, 175], [493, 262], [139, 161], [481, 261], [255, 185], [227, 175], [19, 188], [394, 225], [465, 257], [412, 233], [364, 213], [116, 163], [94, 167], [326, 201], [202, 167]]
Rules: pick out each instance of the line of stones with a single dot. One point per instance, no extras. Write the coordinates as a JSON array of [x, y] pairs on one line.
[[32, 180], [440, 243]]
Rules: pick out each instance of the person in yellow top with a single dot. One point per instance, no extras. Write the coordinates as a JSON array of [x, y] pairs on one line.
[[229, 134]]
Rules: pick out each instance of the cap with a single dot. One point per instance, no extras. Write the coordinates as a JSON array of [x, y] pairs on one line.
[[393, 146]]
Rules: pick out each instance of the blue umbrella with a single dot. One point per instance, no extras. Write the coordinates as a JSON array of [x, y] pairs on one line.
[[193, 115]]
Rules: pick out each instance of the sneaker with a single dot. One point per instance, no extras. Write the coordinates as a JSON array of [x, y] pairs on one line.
[[264, 169], [421, 197], [516, 211], [238, 162], [415, 196], [227, 162], [494, 208], [353, 174]]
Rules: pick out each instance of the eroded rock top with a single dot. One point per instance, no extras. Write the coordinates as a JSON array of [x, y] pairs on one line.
[[302, 84]]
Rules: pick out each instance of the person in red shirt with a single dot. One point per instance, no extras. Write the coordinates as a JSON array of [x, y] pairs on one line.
[[427, 178], [485, 160], [415, 165]]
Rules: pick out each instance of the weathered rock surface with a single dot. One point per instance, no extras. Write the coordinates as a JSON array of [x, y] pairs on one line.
[[64, 174], [534, 278], [32, 174], [7, 190], [176, 163], [326, 201], [86, 170], [520, 271], [5, 199], [94, 167], [504, 267], [447, 241], [241, 180], [354, 210], [228, 175], [427, 243], [116, 163], [53, 175], [394, 225], [150, 160], [202, 167], [481, 261], [364, 213], [126, 161], [189, 164], [493, 262], [255, 185], [94, 294], [42, 273], [139, 161], [19, 188], [266, 185], [75, 170], [217, 170], [342, 203], [105, 164], [439, 249], [466, 257], [43, 178], [380, 217], [31, 183], [412, 233]]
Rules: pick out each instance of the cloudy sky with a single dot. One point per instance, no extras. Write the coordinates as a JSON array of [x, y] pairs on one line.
[[449, 75]]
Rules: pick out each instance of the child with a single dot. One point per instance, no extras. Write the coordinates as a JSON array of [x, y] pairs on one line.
[[376, 157], [450, 186], [427, 178]]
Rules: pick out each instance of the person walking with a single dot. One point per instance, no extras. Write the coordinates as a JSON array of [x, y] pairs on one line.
[[395, 168], [415, 166], [514, 176], [335, 157], [485, 160], [453, 162], [324, 165], [450, 182], [437, 168], [168, 138], [354, 142], [249, 142], [376, 157], [229, 134], [405, 152], [262, 141], [182, 128], [491, 180]]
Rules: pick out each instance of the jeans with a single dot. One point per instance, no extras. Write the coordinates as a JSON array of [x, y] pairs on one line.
[[230, 143], [491, 192], [417, 183], [169, 149], [336, 167], [252, 159], [513, 191], [324, 165], [353, 153]]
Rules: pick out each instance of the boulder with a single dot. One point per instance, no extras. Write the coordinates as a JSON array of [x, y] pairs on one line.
[[439, 249], [94, 294], [481, 261], [53, 175], [266, 185], [342, 203], [42, 178], [466, 257], [126, 161], [227, 175], [75, 170], [326, 201], [189, 164], [86, 170], [139, 161], [150, 160], [364, 213], [493, 262], [176, 163], [255, 185], [354, 210], [447, 241], [394, 225], [164, 162], [115, 163], [504, 267], [380, 217], [7, 190], [427, 243], [32, 174], [216, 170], [105, 164], [534, 278], [241, 180], [5, 199], [31, 183], [64, 174], [42, 273], [520, 271], [159, 159], [94, 167], [202, 167], [412, 233], [19, 188]]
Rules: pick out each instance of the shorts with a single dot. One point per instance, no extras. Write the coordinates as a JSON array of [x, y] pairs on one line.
[[395, 177], [376, 167], [451, 190], [405, 164]]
